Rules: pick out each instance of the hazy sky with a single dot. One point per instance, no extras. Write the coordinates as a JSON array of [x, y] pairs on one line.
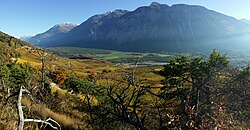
[[29, 17]]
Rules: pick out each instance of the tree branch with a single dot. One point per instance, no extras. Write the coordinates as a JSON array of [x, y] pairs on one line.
[[45, 122], [21, 116]]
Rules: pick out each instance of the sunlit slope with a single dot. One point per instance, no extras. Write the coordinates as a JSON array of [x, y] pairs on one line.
[[15, 50], [8, 46]]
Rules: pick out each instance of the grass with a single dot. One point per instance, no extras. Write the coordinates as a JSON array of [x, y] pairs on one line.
[[32, 63], [8, 117], [60, 118], [64, 120], [81, 68]]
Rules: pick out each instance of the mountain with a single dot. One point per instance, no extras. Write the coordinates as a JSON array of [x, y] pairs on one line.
[[158, 27], [25, 38], [52, 32], [246, 21]]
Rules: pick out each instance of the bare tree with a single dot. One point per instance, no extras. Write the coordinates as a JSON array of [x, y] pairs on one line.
[[123, 102], [42, 55], [22, 120]]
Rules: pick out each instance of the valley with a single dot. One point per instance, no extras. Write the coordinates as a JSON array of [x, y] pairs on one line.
[[237, 58], [116, 57]]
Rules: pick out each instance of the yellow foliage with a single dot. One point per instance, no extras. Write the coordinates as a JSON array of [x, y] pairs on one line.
[[81, 96], [34, 64], [102, 82], [58, 90], [93, 100]]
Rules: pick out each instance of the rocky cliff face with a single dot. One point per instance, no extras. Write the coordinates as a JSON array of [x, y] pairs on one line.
[[158, 27]]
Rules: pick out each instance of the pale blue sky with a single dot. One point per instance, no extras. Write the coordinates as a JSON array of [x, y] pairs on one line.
[[29, 17]]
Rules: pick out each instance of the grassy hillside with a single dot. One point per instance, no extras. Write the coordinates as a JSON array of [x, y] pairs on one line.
[[8, 46], [21, 60]]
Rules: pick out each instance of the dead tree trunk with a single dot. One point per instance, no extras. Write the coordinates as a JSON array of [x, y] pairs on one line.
[[21, 116], [43, 71], [20, 110], [42, 55]]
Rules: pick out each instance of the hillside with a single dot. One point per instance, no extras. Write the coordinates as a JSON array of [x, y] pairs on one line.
[[157, 28], [20, 64], [8, 46], [24, 52]]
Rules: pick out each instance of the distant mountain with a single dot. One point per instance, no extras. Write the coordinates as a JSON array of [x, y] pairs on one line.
[[158, 27], [52, 32], [25, 38], [246, 21]]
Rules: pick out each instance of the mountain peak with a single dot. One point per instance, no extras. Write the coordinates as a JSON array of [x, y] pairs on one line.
[[111, 14], [156, 5], [245, 21], [63, 27], [24, 38], [54, 31], [119, 11], [66, 24]]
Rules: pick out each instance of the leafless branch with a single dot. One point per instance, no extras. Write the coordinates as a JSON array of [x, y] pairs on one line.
[[21, 116], [45, 122]]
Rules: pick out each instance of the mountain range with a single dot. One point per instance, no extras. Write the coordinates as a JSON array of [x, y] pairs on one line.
[[246, 21], [153, 28], [52, 32]]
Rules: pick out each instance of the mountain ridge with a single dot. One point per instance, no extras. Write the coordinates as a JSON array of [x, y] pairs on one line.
[[246, 21], [157, 27], [54, 31]]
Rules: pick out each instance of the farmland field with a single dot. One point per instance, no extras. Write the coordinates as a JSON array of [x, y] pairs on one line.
[[146, 59], [127, 58]]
